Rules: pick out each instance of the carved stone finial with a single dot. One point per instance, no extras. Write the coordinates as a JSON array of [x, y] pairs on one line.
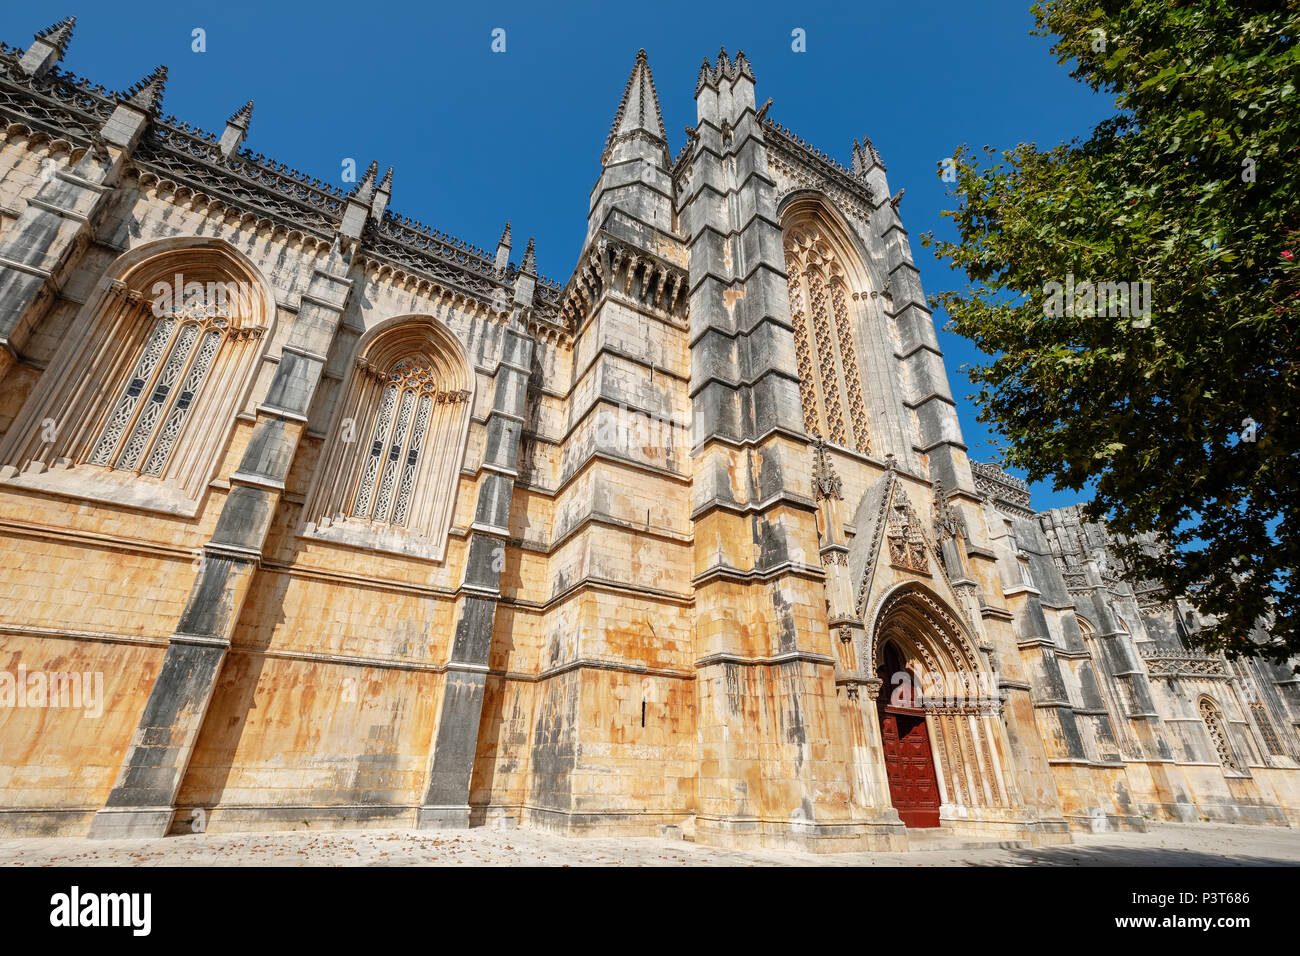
[[530, 258], [706, 75], [232, 137], [742, 66], [638, 111], [148, 93], [364, 191], [865, 157], [58, 34], [501, 261], [47, 48], [242, 116], [826, 483]]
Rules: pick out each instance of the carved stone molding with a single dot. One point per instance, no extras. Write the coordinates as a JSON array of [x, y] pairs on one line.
[[614, 267], [1169, 664]]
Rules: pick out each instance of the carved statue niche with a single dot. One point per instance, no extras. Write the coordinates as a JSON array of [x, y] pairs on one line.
[[834, 551], [828, 490], [907, 547], [950, 533]]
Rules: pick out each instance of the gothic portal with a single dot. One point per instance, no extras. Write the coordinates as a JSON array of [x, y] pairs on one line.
[[358, 524]]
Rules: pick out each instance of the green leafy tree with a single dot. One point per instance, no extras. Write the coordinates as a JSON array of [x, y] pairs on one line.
[[1182, 422]]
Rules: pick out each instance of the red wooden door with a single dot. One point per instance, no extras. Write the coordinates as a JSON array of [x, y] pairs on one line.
[[913, 787]]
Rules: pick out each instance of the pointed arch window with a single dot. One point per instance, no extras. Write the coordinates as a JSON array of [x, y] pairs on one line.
[[1218, 731], [1265, 724], [149, 380], [389, 466], [162, 389], [830, 381]]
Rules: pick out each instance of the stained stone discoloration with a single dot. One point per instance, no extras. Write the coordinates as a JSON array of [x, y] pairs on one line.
[[699, 486]]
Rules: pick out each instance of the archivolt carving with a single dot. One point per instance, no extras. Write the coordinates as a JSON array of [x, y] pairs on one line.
[[929, 622]]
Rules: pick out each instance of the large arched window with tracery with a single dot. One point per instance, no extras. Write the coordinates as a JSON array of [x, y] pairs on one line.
[[1217, 729], [389, 466], [138, 403], [826, 348]]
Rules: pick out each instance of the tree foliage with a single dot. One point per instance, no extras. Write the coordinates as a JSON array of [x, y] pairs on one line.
[[1194, 186]]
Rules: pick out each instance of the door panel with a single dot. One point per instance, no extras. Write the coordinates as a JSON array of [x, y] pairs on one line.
[[909, 764]]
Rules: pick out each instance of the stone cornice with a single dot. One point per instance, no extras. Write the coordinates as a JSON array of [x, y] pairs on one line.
[[612, 265]]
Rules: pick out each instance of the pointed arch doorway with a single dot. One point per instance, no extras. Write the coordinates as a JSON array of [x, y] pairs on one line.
[[905, 738], [941, 726]]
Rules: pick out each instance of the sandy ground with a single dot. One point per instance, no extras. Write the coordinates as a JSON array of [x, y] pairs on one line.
[[1166, 845]]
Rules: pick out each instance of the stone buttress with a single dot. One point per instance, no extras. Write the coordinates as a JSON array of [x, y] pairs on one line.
[[689, 544]]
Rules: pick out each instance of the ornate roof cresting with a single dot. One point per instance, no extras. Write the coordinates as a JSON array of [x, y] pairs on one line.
[[176, 154]]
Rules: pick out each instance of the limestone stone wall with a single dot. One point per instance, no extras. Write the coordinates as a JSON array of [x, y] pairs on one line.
[[669, 574]]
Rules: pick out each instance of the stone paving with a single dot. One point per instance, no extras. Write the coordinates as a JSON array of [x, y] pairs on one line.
[[1166, 845]]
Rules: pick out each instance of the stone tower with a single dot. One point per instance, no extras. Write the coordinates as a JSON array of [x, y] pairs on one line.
[[315, 513]]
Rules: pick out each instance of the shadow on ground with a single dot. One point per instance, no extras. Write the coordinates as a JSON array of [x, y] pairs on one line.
[[1076, 855]]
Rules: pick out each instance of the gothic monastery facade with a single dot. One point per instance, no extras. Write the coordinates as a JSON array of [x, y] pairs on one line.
[[363, 526]]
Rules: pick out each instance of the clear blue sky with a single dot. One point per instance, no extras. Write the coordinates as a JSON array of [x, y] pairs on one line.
[[479, 137]]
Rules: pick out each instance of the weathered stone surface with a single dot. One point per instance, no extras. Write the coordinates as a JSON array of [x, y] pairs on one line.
[[686, 507]]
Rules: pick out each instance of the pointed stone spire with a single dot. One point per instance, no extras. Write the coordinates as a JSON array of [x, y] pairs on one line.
[[726, 69], [58, 34], [705, 76], [638, 112], [635, 166], [147, 95], [357, 209], [48, 47], [742, 66], [503, 250], [236, 129], [135, 108], [383, 192], [364, 191], [242, 116], [864, 158], [530, 258]]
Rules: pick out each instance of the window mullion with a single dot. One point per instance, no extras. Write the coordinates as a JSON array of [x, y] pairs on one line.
[[157, 347], [365, 492]]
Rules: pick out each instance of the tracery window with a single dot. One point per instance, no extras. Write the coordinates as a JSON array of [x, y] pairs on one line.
[[1265, 724], [149, 379], [1218, 732], [158, 395], [388, 472], [1258, 709], [830, 382]]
